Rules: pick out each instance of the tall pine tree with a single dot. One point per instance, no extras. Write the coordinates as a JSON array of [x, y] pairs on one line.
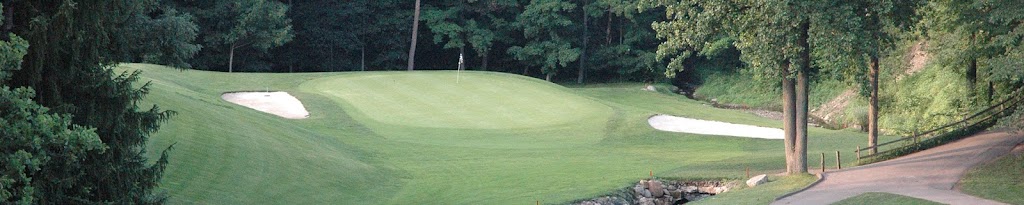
[[75, 43]]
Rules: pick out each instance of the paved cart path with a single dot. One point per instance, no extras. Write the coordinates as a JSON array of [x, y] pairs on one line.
[[930, 174]]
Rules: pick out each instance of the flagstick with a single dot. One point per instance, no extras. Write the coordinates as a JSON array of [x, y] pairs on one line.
[[458, 73]]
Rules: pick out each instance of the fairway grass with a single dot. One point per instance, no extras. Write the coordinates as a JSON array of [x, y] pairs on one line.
[[470, 142]]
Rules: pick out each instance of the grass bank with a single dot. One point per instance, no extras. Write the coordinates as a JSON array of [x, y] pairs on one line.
[[1000, 180], [763, 194], [414, 137]]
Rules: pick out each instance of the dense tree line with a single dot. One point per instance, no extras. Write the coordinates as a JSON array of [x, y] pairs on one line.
[[568, 40]]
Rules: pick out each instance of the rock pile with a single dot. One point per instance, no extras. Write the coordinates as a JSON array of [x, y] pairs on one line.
[[658, 192]]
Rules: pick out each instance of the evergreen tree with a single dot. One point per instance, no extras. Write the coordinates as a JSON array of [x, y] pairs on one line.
[[41, 151], [74, 45], [38, 147]]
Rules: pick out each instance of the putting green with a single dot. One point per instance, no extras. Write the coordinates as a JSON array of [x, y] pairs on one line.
[[470, 100]]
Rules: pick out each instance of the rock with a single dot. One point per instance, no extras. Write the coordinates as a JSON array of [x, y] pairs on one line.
[[690, 189], [657, 190], [757, 180], [707, 189], [660, 202], [647, 193], [721, 189], [645, 201], [638, 189], [650, 88], [676, 194]]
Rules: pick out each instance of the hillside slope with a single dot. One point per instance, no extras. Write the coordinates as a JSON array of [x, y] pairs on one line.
[[352, 152]]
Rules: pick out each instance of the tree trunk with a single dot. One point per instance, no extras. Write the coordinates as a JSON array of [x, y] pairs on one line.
[[800, 145], [548, 76], [362, 58], [873, 104], [972, 76], [334, 61], [8, 26], [231, 59], [799, 164], [788, 117], [484, 59], [991, 90], [415, 27], [622, 31], [608, 36], [583, 55]]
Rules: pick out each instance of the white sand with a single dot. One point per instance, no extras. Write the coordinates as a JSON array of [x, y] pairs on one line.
[[277, 103], [687, 125]]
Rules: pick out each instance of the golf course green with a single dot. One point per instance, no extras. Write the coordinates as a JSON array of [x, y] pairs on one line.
[[439, 137]]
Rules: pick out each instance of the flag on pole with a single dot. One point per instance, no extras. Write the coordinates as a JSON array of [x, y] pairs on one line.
[[458, 75]]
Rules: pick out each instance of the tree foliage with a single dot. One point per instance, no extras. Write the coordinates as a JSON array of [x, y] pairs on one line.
[[230, 25], [624, 43], [787, 40], [475, 24], [74, 44], [545, 25], [166, 36], [41, 152], [344, 36]]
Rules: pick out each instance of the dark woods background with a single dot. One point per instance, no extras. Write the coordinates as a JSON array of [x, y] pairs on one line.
[[608, 39]]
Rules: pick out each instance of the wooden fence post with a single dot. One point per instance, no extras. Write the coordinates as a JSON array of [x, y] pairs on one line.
[[822, 162], [839, 165], [916, 136], [858, 154]]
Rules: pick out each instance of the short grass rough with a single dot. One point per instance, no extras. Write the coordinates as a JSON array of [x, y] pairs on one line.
[[1001, 180], [762, 194], [419, 137], [879, 198]]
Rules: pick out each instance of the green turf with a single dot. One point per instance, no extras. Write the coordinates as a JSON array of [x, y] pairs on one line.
[[1000, 180], [477, 100], [883, 199], [762, 194], [352, 150]]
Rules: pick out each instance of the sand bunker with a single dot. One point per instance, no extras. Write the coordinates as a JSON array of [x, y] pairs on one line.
[[277, 103], [705, 127]]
